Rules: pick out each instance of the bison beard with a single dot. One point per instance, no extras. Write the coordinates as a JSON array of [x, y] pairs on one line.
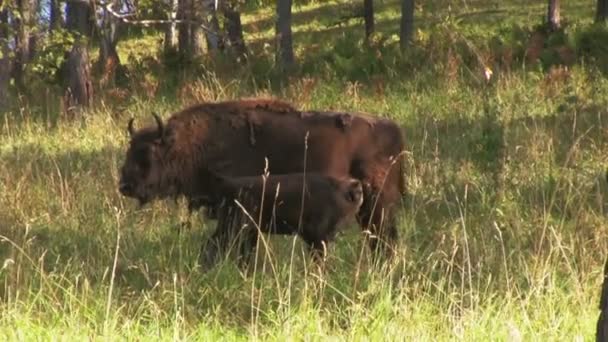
[[312, 206], [236, 138]]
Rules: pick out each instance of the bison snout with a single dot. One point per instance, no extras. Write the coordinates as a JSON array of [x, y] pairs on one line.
[[355, 192], [125, 188]]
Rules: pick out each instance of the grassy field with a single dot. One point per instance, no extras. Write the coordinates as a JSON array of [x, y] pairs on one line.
[[503, 232]]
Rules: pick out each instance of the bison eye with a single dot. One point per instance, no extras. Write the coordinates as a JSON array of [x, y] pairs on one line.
[[143, 163], [142, 159]]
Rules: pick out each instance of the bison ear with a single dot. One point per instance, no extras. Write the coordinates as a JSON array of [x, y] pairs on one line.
[[344, 120], [168, 137], [130, 128]]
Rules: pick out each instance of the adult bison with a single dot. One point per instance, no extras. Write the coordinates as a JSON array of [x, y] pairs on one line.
[[601, 329], [235, 138]]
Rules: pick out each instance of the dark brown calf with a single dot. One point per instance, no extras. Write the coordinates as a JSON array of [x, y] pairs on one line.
[[312, 206]]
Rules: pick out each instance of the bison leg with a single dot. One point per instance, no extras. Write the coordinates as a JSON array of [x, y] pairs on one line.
[[377, 217], [318, 250], [210, 250], [225, 233], [247, 246]]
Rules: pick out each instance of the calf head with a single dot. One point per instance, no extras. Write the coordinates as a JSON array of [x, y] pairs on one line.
[[143, 170], [353, 192]]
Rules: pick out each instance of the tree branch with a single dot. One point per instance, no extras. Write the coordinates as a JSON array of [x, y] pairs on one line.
[[124, 17]]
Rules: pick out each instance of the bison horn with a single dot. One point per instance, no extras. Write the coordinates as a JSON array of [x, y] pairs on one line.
[[130, 127], [159, 123]]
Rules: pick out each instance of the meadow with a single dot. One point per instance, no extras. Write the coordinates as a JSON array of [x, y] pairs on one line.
[[503, 234]]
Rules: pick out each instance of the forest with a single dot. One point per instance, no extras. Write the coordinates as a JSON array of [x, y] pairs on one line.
[[503, 105]]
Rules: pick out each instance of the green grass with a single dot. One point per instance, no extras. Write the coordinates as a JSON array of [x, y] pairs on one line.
[[502, 234]]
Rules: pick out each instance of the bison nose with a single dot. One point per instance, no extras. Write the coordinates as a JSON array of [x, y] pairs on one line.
[[355, 193], [125, 188], [357, 186]]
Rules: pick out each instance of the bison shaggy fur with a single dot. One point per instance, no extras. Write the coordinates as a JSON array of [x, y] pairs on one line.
[[244, 137]]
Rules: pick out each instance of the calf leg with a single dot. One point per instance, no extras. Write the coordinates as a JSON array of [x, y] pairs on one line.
[[212, 249]]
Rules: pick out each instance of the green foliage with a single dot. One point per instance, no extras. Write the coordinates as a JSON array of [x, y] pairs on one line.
[[352, 60], [589, 42], [50, 55]]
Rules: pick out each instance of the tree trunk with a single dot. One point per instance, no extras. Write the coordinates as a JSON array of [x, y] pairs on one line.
[[407, 23], [56, 20], [183, 34], [171, 28], [79, 90], [77, 77], [108, 63], [234, 31], [197, 35], [33, 44], [368, 15], [553, 18], [24, 24], [79, 17], [213, 34], [285, 55], [602, 11], [5, 62], [189, 34]]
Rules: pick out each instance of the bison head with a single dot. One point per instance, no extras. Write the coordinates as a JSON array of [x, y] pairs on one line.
[[142, 172]]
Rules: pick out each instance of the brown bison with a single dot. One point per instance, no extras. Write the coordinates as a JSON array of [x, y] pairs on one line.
[[601, 333], [237, 138], [310, 205]]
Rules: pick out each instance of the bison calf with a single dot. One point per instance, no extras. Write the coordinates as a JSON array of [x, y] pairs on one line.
[[311, 205]]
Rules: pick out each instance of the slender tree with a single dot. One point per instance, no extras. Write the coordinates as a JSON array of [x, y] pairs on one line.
[[190, 34], [77, 74], [407, 23], [5, 61], [55, 18], [285, 55], [197, 35], [601, 11], [212, 34], [183, 33], [108, 63], [24, 26], [234, 29], [368, 15], [170, 42], [553, 17]]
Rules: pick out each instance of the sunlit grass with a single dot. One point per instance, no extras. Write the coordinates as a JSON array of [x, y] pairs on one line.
[[502, 232]]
